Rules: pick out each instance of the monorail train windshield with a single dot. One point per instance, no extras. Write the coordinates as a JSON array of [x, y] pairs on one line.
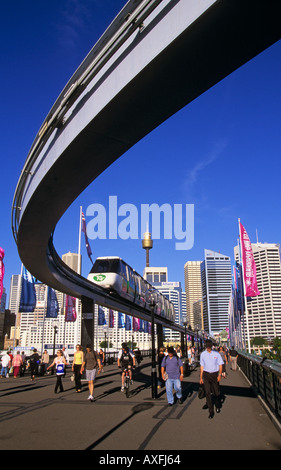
[[108, 265]]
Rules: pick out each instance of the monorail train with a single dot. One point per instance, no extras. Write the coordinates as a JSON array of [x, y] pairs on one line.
[[113, 274]]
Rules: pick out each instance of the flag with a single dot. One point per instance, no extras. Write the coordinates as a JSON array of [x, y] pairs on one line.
[[70, 310], [111, 319], [249, 265], [136, 325], [101, 317], [141, 326], [52, 304], [28, 294], [128, 323], [84, 229], [121, 322], [2, 270]]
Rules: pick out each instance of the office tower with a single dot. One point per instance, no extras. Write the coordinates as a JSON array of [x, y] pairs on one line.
[[183, 308], [193, 288], [264, 311], [73, 260], [216, 278], [35, 329], [15, 291], [158, 277], [3, 301]]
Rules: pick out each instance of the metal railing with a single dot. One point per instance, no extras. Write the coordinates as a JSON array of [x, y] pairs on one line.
[[265, 376]]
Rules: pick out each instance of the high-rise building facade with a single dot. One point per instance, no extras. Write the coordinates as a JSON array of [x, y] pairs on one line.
[[193, 289], [264, 310], [158, 277], [216, 278]]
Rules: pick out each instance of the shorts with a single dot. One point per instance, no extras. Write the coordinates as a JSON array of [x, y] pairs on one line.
[[126, 366], [91, 375]]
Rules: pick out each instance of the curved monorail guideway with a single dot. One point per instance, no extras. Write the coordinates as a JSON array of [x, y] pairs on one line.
[[155, 57]]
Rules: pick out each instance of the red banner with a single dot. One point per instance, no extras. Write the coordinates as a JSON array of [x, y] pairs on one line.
[[249, 265], [2, 271], [70, 311]]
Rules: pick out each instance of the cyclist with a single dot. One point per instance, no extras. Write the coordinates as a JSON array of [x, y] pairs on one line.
[[126, 360]]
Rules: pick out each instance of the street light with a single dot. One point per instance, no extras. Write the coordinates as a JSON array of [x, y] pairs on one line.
[[55, 325], [151, 297], [185, 339]]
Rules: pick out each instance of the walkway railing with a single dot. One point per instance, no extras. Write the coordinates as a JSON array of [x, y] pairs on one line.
[[265, 376]]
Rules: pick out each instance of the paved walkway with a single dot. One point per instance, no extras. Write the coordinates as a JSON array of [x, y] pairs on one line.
[[33, 417]]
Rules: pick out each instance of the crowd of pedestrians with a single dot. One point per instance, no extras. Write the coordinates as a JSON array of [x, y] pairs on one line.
[[90, 363]]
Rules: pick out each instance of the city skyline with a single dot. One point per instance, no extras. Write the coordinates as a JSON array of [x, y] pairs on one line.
[[220, 153]]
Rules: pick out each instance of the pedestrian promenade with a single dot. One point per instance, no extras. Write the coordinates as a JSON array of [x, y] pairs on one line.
[[33, 417]]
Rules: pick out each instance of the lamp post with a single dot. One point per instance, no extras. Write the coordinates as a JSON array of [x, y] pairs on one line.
[[151, 298], [56, 327], [185, 339]]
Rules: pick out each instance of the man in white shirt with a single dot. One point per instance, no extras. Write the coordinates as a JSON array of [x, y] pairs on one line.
[[6, 363], [210, 375]]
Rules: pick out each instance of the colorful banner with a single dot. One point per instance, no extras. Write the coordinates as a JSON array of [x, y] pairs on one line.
[[111, 319], [136, 325], [121, 321], [70, 309], [52, 304], [128, 323], [101, 317], [84, 229], [2, 271], [249, 265], [28, 294]]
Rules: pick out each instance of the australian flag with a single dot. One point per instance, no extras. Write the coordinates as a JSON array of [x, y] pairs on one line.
[[84, 229]]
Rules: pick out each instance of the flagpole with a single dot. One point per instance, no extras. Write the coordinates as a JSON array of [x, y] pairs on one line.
[[17, 304], [44, 316], [245, 298], [79, 272]]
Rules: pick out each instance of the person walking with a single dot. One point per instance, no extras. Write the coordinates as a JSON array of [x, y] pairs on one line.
[[172, 374], [90, 363], [224, 358], [210, 375], [34, 361], [45, 359], [23, 366], [60, 364], [6, 364], [233, 356], [102, 359], [17, 363], [161, 356], [77, 367]]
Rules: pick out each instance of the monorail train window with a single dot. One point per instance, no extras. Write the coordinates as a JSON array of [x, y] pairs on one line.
[[106, 266], [122, 269]]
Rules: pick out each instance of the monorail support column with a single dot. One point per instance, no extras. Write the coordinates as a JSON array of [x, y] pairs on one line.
[[88, 322], [160, 337], [183, 344]]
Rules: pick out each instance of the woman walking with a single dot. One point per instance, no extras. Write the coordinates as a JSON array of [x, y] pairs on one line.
[[77, 367], [60, 364]]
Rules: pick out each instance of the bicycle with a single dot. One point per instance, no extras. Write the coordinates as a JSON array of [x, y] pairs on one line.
[[127, 381]]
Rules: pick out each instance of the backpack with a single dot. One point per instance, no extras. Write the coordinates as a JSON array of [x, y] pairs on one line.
[[126, 358]]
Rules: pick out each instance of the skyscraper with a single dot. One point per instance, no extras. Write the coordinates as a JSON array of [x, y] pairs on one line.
[[158, 277], [193, 288], [217, 290], [264, 311]]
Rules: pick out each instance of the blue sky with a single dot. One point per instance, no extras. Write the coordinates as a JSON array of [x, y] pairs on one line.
[[221, 152]]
